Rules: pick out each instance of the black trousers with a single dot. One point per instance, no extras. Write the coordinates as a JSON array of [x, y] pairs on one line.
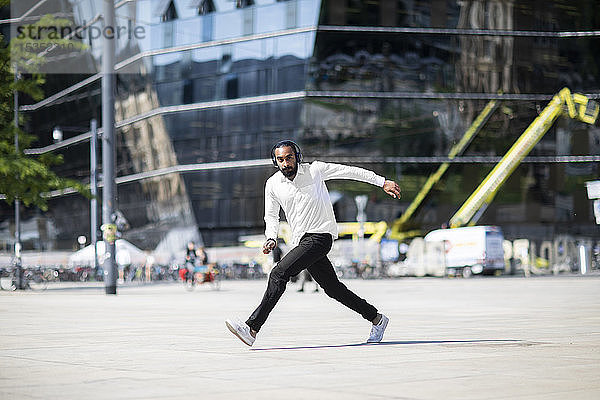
[[311, 253]]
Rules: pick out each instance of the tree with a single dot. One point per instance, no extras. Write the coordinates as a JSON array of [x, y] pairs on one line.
[[24, 177]]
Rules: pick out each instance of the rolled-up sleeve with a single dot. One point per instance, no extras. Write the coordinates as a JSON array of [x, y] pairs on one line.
[[271, 213], [339, 171]]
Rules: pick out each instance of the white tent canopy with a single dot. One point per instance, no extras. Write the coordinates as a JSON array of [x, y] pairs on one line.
[[127, 254]]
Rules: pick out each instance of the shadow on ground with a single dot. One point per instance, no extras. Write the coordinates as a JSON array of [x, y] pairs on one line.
[[486, 342]]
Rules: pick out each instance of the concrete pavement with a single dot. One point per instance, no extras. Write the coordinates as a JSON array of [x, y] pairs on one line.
[[483, 338]]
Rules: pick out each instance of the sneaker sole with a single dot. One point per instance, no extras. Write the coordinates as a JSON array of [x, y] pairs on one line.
[[385, 324], [236, 333]]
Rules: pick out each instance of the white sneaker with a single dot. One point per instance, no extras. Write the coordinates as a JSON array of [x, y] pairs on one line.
[[378, 330], [241, 330]]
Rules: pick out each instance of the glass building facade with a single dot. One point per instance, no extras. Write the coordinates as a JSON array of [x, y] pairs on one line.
[[390, 85]]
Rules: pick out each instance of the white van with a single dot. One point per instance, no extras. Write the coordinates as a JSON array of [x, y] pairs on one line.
[[471, 250]]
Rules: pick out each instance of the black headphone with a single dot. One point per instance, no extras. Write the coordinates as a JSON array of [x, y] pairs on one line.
[[287, 143]]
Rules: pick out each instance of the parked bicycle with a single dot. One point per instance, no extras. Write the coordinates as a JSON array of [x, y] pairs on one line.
[[36, 278]]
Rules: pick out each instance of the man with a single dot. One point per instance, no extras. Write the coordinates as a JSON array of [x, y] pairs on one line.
[[300, 190], [186, 272], [304, 277]]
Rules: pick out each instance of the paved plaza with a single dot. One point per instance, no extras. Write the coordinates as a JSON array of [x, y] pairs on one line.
[[482, 338]]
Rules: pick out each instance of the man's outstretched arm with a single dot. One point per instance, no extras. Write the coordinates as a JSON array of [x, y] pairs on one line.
[[340, 171]]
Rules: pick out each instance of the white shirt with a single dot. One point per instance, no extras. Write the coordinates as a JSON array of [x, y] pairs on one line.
[[305, 200]]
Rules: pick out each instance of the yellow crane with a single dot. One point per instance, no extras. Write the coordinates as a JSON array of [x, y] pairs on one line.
[[398, 229], [576, 106]]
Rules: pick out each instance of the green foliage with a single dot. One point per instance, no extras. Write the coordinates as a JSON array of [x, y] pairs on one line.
[[24, 177]]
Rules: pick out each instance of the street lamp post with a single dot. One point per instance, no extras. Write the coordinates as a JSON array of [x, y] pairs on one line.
[[361, 218], [19, 271], [94, 191], [108, 148]]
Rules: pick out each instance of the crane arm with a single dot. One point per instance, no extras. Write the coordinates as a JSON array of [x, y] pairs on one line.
[[578, 107], [456, 150]]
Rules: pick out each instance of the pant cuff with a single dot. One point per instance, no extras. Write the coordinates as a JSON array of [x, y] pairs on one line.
[[249, 323]]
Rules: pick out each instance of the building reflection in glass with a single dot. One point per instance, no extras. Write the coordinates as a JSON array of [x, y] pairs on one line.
[[351, 81]]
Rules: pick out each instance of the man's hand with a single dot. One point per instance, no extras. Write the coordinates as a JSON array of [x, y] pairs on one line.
[[392, 188], [269, 245]]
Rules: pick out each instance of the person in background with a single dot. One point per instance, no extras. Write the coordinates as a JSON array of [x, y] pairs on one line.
[[305, 276], [203, 268], [187, 269], [202, 256]]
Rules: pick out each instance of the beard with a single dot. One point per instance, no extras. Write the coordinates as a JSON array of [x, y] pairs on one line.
[[289, 171]]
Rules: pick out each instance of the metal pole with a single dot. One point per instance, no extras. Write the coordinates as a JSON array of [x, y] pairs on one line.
[[108, 148], [19, 270], [94, 190], [361, 218]]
